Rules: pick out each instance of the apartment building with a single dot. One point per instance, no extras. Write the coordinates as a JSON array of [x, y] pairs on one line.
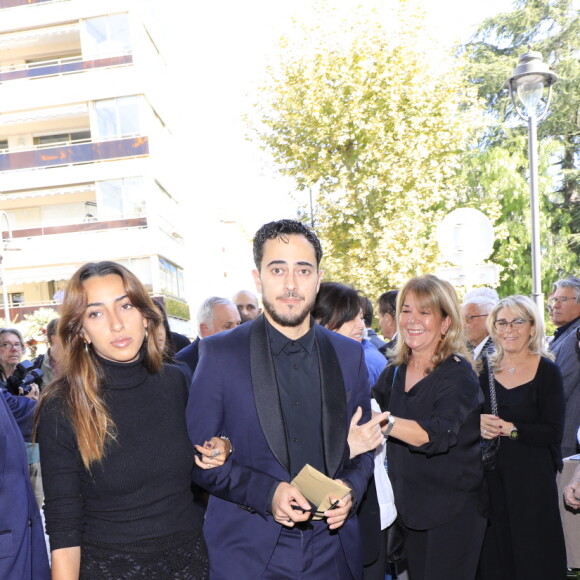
[[86, 157]]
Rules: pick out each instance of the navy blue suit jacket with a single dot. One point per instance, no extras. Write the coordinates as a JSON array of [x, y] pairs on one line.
[[22, 547], [234, 393], [190, 355]]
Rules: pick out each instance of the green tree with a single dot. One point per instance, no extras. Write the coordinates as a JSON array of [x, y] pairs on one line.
[[551, 27], [360, 112]]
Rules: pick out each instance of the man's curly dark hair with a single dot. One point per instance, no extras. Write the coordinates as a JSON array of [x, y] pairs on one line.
[[281, 229]]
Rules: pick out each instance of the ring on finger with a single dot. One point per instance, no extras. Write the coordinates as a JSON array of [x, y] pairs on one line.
[[484, 432], [215, 453]]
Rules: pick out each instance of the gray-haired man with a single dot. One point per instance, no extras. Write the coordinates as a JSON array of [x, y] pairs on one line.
[[215, 315]]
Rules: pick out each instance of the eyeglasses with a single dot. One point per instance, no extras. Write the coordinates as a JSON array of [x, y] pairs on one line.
[[10, 345], [561, 299], [516, 324], [470, 319]]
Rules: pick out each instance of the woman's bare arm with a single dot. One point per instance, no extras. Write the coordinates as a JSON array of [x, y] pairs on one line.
[[66, 563]]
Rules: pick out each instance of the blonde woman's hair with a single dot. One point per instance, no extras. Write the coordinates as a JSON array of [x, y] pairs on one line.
[[439, 297], [522, 307], [81, 385]]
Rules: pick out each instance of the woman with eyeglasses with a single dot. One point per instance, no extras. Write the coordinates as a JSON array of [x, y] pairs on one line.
[[11, 346], [116, 456], [11, 351], [524, 538]]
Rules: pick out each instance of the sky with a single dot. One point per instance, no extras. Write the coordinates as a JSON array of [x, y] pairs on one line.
[[230, 188]]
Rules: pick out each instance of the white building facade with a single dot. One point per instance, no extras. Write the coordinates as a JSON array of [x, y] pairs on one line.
[[85, 154]]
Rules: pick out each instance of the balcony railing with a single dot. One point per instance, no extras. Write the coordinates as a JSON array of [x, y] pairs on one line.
[[74, 153], [15, 3], [63, 66], [94, 226]]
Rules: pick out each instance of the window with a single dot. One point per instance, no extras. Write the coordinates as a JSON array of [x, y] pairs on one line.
[[105, 36], [141, 267], [14, 299], [120, 198], [43, 61], [62, 138], [118, 117], [3, 145], [171, 279]]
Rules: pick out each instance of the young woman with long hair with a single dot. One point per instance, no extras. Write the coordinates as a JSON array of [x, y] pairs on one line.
[[115, 453]]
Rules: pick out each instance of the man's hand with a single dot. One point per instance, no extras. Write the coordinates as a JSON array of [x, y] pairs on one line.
[[336, 517], [572, 494], [34, 392], [285, 497]]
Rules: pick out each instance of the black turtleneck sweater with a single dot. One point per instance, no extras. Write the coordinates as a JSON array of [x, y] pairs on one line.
[[141, 488]]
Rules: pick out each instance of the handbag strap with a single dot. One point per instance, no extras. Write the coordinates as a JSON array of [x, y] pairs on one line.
[[387, 437], [492, 397]]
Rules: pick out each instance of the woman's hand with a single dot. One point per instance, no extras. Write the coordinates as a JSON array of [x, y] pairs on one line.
[[506, 428], [363, 438], [214, 453], [490, 426]]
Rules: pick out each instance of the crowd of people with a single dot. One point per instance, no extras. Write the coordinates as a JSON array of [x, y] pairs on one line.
[[289, 440]]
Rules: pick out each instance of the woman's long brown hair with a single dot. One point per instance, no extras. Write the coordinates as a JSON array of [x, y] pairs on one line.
[[81, 385]]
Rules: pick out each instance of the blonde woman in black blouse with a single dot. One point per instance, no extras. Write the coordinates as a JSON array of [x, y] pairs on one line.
[[433, 449]]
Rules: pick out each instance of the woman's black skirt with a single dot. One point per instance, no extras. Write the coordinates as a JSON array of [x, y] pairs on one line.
[[181, 556]]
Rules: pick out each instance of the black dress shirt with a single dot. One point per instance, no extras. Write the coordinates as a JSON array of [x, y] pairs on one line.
[[298, 376], [562, 329]]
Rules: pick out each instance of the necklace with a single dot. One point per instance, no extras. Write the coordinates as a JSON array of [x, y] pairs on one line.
[[511, 371]]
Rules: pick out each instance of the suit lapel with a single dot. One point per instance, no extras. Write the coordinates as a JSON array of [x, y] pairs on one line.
[[334, 417], [266, 396]]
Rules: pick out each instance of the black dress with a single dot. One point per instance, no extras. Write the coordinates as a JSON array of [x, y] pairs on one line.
[[524, 539]]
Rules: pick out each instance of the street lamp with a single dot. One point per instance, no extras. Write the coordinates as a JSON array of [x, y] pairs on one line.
[[3, 269], [528, 80]]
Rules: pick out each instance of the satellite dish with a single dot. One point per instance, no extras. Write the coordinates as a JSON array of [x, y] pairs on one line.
[[465, 237]]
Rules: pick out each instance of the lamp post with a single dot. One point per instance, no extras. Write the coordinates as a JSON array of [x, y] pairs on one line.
[[528, 80], [3, 270]]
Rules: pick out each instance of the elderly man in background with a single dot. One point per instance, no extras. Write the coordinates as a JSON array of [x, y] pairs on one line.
[[564, 303], [247, 305], [52, 361], [477, 305], [372, 336], [387, 306], [215, 315]]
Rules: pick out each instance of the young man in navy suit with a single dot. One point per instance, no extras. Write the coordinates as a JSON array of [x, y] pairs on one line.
[[283, 389]]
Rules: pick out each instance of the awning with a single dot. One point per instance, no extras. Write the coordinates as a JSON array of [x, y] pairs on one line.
[[27, 37], [82, 188], [36, 115], [41, 274]]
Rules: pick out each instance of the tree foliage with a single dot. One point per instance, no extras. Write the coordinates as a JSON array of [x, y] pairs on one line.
[[360, 112], [551, 27]]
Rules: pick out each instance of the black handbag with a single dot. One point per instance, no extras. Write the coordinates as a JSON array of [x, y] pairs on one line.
[[395, 537], [490, 447]]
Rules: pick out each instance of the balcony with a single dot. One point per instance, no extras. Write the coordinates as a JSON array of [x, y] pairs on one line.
[[74, 153], [91, 226], [62, 66]]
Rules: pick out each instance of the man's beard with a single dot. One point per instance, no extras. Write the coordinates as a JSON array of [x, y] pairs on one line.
[[292, 319]]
